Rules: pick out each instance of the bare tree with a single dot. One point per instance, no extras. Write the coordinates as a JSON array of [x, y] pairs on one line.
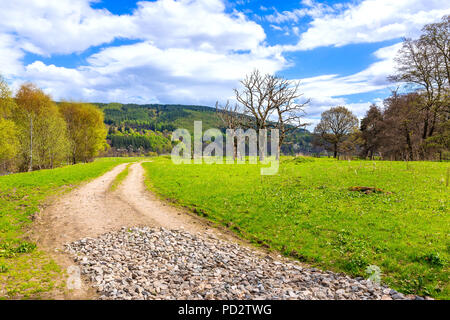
[[264, 96], [438, 35], [289, 113], [335, 126], [424, 63], [232, 119], [255, 98]]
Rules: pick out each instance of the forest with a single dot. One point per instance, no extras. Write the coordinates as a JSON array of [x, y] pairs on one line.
[[142, 129]]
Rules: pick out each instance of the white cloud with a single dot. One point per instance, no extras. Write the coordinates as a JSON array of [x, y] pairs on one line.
[[187, 50], [10, 56], [64, 26], [368, 21], [193, 51], [200, 24], [372, 78], [143, 72], [281, 17], [328, 90]]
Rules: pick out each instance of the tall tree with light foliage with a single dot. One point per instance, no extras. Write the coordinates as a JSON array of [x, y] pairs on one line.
[[42, 130], [86, 130]]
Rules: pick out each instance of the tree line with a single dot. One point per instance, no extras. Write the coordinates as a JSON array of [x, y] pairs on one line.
[[126, 140], [411, 125], [37, 133]]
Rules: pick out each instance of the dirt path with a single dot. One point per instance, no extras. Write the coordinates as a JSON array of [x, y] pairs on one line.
[[158, 214], [92, 209]]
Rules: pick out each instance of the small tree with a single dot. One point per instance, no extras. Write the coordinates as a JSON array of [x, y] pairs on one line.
[[9, 143], [41, 127], [335, 126]]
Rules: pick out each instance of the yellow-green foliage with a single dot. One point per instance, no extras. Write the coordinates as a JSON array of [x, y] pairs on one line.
[[87, 132], [9, 144], [36, 134]]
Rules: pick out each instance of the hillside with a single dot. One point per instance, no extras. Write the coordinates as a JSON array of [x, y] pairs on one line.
[[129, 122]]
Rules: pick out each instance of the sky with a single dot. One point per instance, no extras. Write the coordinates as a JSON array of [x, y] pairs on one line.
[[196, 51]]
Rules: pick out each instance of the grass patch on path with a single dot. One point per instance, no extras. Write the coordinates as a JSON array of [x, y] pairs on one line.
[[309, 211], [25, 271], [120, 177]]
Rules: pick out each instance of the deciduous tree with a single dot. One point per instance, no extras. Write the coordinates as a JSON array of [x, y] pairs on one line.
[[86, 130], [41, 128], [335, 126]]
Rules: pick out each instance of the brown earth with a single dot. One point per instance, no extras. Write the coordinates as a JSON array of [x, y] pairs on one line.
[[92, 209]]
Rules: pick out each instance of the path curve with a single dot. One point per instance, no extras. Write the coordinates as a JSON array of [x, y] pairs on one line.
[[92, 210]]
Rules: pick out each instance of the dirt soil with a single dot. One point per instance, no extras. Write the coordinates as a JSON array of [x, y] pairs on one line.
[[92, 209]]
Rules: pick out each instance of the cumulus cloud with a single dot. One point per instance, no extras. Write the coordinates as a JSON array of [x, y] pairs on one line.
[[330, 90], [195, 51], [185, 51], [10, 56], [368, 21], [65, 26], [142, 72], [372, 78]]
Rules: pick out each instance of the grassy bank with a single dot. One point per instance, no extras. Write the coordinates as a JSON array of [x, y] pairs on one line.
[[312, 211], [25, 271]]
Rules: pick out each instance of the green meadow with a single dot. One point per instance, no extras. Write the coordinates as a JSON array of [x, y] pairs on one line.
[[25, 271], [314, 211]]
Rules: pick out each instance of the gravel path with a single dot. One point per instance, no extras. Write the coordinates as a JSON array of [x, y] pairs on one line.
[[158, 263]]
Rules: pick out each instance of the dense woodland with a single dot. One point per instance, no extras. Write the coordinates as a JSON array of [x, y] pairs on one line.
[[146, 129]]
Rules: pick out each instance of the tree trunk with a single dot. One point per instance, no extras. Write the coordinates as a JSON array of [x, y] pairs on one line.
[[410, 149], [30, 166], [262, 144], [335, 151], [425, 127]]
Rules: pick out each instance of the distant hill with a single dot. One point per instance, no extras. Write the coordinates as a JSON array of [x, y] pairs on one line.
[[125, 119]]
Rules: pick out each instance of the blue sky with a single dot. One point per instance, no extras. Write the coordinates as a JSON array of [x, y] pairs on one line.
[[195, 51]]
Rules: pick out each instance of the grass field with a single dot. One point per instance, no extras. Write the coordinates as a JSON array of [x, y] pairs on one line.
[[309, 212], [25, 271]]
